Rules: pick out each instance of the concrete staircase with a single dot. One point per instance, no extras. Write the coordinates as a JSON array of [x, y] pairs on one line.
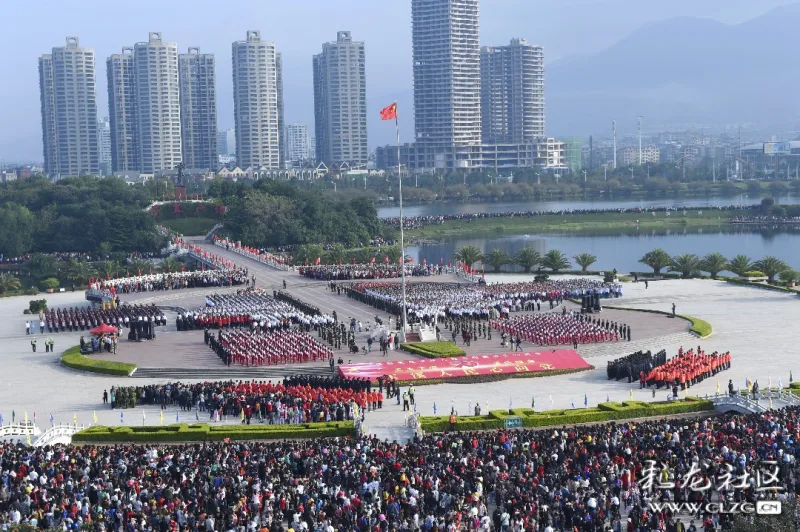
[[232, 372], [621, 348]]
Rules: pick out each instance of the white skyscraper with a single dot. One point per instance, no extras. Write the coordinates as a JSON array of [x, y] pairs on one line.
[[104, 140], [198, 109], [69, 111], [447, 82], [255, 102], [158, 108], [340, 101], [120, 73], [296, 144], [512, 92], [226, 142]]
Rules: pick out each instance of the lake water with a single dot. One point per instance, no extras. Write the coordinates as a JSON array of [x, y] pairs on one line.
[[458, 208], [623, 249]]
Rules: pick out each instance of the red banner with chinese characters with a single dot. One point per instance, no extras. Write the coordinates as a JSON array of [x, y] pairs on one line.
[[452, 368]]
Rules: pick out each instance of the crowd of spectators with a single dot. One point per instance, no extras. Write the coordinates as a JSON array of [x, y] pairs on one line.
[[755, 219], [347, 272], [173, 281], [587, 478], [415, 222], [267, 402]]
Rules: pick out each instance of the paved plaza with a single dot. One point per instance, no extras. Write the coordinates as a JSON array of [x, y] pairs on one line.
[[755, 325]]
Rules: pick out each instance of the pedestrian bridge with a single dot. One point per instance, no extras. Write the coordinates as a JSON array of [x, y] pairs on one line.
[[746, 403], [30, 434]]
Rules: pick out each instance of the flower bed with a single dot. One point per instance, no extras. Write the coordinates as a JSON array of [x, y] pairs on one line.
[[72, 358], [473, 379], [205, 432], [434, 349], [602, 412]]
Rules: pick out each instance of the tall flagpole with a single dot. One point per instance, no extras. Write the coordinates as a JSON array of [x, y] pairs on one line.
[[402, 239]]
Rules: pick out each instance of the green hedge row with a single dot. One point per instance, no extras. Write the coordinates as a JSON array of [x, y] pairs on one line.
[[765, 286], [205, 432], [72, 358], [602, 412], [700, 327], [434, 349]]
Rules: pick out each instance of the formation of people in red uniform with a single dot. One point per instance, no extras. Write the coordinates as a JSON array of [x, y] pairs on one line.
[[558, 329], [688, 368], [285, 346]]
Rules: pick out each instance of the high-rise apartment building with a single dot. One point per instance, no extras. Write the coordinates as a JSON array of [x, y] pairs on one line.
[[312, 149], [104, 140], [158, 107], [281, 124], [296, 144], [255, 102], [226, 142], [198, 98], [69, 110], [512, 92], [340, 102], [104, 145], [120, 73], [447, 83]]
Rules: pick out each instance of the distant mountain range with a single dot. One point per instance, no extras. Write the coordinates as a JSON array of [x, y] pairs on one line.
[[682, 70]]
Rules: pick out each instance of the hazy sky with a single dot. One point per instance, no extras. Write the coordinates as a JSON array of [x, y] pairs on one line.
[[563, 27]]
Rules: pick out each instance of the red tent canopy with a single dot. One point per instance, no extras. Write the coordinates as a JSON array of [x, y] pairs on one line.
[[103, 329]]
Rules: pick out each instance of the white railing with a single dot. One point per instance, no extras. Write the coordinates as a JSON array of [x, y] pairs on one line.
[[739, 400], [19, 429], [266, 258], [57, 432]]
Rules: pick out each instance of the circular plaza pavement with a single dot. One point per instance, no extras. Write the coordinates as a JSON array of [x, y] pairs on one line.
[[757, 326]]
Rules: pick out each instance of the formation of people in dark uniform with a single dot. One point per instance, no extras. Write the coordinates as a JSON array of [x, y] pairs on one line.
[[299, 304], [84, 318], [632, 365], [329, 382]]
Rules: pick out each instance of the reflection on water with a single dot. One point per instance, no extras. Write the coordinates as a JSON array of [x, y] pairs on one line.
[[622, 249], [457, 208]]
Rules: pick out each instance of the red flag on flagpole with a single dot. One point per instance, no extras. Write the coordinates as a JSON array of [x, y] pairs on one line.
[[318, 261], [389, 112], [386, 259], [424, 261], [151, 271], [354, 260], [371, 261]]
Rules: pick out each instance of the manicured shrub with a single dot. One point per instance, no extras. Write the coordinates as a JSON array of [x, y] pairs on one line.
[[72, 358], [434, 349], [204, 432], [602, 412]]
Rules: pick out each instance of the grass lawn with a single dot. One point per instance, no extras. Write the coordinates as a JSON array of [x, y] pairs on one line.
[[190, 226], [572, 223]]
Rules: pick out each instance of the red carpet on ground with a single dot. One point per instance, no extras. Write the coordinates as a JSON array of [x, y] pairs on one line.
[[459, 367]]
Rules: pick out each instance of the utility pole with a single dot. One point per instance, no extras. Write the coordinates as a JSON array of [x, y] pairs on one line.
[[605, 172], [614, 140], [648, 172], [631, 172], [584, 175], [639, 127]]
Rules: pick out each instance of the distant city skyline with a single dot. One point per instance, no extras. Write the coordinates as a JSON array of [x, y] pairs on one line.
[[384, 27]]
